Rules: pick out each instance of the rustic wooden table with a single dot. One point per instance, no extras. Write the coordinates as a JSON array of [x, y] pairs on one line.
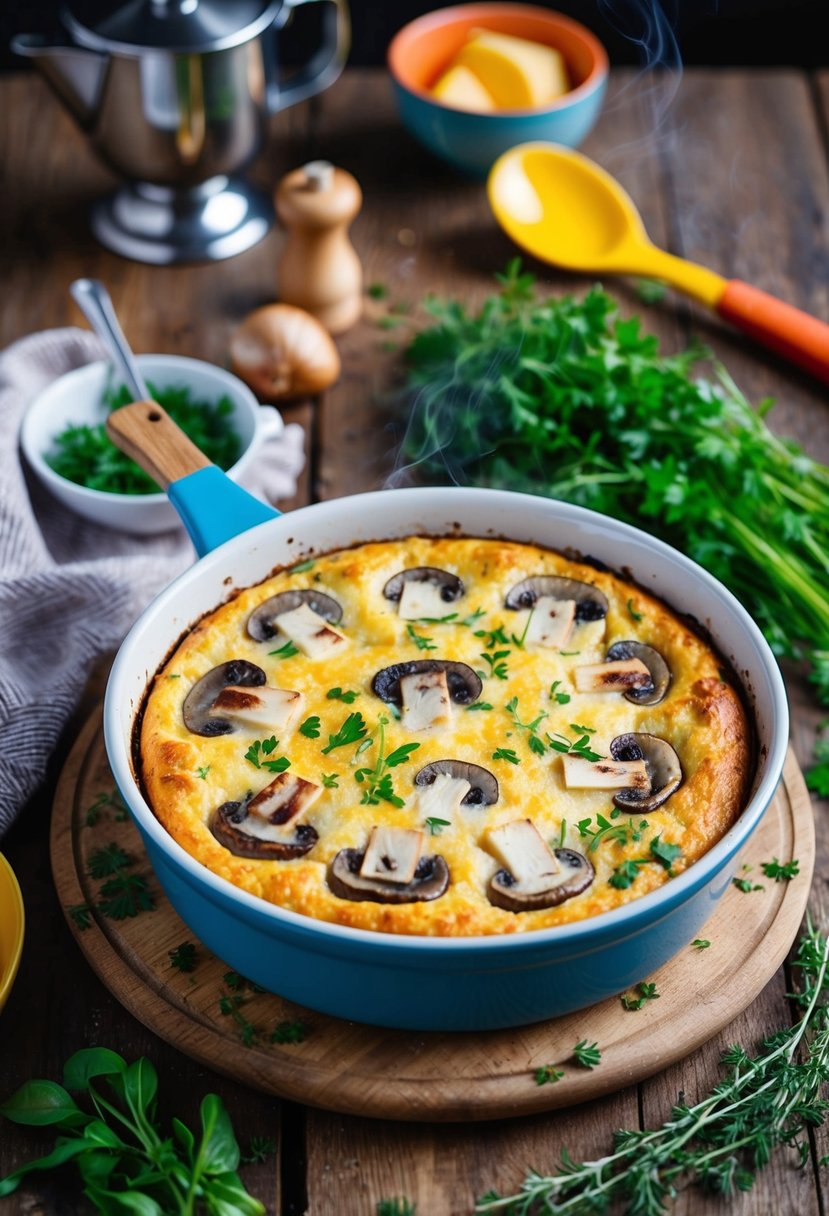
[[732, 172]]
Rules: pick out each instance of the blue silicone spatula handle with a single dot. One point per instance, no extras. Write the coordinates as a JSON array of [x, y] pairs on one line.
[[212, 508]]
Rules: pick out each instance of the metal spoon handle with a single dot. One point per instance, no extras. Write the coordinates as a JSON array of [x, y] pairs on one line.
[[94, 301]]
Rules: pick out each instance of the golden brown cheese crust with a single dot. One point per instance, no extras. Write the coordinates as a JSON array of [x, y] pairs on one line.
[[187, 776]]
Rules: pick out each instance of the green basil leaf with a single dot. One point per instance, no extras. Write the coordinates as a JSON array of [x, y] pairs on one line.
[[97, 1165], [184, 1136], [100, 1135], [219, 1152], [225, 1195], [63, 1151], [124, 1203], [91, 1062], [40, 1103], [141, 1085]]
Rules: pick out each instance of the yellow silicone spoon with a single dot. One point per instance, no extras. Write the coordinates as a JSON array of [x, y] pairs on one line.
[[566, 210]]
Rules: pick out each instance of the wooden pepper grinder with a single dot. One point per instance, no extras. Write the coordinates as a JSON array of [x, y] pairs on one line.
[[318, 269]]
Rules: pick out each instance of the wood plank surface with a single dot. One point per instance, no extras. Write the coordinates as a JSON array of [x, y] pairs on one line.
[[734, 173]]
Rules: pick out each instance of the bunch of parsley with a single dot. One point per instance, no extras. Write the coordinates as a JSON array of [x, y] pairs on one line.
[[563, 398]]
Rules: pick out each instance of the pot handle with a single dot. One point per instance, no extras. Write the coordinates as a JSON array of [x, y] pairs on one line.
[[325, 65], [212, 508]]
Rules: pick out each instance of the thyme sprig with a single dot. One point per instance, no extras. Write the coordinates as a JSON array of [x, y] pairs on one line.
[[719, 1143]]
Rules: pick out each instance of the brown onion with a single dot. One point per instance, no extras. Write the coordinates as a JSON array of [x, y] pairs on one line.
[[281, 352]]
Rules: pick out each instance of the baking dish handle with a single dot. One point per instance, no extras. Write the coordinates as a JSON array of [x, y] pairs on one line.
[[212, 508]]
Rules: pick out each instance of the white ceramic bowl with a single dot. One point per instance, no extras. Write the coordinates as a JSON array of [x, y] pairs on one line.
[[77, 398]]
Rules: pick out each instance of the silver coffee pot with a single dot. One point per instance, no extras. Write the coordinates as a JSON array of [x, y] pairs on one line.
[[174, 95]]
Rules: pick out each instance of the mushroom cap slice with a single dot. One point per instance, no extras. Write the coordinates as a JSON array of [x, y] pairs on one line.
[[200, 698], [227, 822], [430, 881], [575, 875], [591, 603], [451, 587], [663, 767], [484, 784], [656, 665], [261, 621], [463, 683]]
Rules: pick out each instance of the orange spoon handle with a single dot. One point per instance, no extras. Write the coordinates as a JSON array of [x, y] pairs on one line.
[[784, 329]]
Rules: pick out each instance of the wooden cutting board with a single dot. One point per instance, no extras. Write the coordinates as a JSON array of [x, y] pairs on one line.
[[392, 1074]]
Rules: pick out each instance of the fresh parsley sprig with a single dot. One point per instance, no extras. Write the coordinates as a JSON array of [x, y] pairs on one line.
[[587, 1054], [580, 746], [378, 781], [352, 731], [262, 748], [535, 744]]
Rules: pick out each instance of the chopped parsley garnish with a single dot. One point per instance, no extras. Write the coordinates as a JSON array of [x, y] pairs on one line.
[[329, 780], [438, 620], [478, 705], [436, 825], [261, 748], [202, 772], [626, 872], [79, 914], [646, 992], [352, 731], [531, 728], [310, 728], [700, 943], [561, 698], [125, 895], [779, 871], [634, 615], [108, 860], [746, 886], [496, 662], [174, 676], [666, 854], [421, 642], [183, 957], [284, 652], [289, 1032], [505, 753], [519, 642], [576, 747], [587, 1054], [303, 566], [337, 694], [378, 780], [548, 1074]]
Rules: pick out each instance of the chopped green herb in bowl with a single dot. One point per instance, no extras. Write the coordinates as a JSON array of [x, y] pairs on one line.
[[64, 441]]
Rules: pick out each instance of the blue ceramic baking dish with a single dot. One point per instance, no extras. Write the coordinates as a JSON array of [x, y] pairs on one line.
[[419, 982]]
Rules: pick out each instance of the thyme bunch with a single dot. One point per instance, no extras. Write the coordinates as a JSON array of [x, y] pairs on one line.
[[763, 1102]]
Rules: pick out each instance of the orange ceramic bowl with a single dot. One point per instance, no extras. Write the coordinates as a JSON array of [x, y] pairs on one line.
[[11, 928], [422, 50]]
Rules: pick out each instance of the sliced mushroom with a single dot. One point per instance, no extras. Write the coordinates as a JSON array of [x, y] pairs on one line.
[[431, 878], [482, 784], [423, 591], [463, 684], [271, 709], [619, 675], [201, 698], [583, 774], [660, 672], [425, 700], [267, 827], [310, 632], [392, 855], [662, 763], [591, 603], [534, 875], [262, 621], [550, 623]]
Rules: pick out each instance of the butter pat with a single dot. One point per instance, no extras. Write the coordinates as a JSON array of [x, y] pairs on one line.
[[461, 88], [517, 73]]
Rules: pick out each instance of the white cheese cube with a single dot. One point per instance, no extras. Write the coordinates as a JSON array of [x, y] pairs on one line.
[[310, 632], [618, 676], [522, 851], [263, 707], [392, 854], [443, 797], [426, 701], [581, 774], [550, 623], [422, 599]]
